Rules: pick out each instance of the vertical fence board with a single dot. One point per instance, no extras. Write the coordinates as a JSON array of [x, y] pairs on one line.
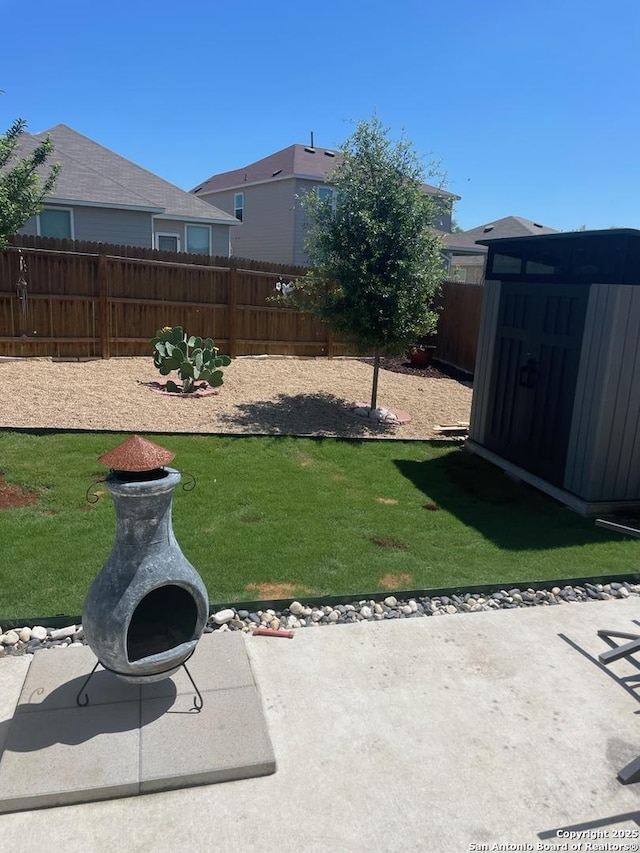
[[232, 312], [104, 314]]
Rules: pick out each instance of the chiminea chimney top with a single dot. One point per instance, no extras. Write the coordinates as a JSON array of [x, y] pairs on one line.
[[137, 454]]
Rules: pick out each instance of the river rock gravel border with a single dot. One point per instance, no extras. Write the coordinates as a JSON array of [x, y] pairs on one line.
[[27, 640]]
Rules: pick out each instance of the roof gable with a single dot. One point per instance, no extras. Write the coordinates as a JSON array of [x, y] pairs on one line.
[[94, 174], [294, 161]]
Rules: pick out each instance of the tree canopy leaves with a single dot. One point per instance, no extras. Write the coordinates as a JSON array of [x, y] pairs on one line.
[[376, 262], [22, 187]]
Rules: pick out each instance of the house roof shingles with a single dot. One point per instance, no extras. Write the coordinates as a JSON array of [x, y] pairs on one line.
[[508, 226], [299, 161], [93, 174]]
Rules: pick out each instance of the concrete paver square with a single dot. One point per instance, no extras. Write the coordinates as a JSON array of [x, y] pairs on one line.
[[220, 661], [56, 676], [227, 740], [70, 755]]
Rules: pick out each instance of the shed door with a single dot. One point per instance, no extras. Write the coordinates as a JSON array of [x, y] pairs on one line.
[[538, 342]]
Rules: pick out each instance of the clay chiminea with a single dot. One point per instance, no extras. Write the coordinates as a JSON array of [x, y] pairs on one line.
[[146, 609]]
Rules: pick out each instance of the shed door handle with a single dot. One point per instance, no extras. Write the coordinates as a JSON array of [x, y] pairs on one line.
[[528, 372]]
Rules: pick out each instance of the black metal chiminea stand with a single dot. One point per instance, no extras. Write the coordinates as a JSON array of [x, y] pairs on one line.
[[83, 701], [146, 609]]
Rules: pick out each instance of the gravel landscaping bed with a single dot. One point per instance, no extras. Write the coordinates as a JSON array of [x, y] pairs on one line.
[[269, 395]]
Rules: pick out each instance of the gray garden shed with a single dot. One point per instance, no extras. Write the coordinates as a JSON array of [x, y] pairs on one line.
[[556, 396]]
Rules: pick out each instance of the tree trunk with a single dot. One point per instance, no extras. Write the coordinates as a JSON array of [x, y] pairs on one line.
[[376, 369]]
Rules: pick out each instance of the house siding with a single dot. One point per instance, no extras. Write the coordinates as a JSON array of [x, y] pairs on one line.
[[129, 227], [220, 243], [274, 226], [267, 229], [30, 228], [301, 225], [105, 225]]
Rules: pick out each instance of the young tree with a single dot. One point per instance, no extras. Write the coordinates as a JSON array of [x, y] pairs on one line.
[[376, 266], [21, 186]]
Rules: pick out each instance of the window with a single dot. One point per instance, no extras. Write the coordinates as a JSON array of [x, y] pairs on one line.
[[545, 258], [507, 264], [198, 239], [459, 273], [238, 206], [600, 260], [55, 222], [328, 196], [168, 242]]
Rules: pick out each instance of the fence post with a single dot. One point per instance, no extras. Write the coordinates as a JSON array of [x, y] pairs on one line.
[[329, 338], [329, 344], [232, 311], [103, 307]]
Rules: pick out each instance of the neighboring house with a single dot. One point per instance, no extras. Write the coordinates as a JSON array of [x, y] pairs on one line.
[[468, 258], [100, 196], [265, 197]]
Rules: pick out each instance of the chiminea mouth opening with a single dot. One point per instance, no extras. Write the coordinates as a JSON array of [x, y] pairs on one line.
[[138, 476], [165, 618]]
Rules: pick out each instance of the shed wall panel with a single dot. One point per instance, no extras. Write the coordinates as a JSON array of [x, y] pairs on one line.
[[604, 452], [629, 468], [620, 476], [484, 361], [588, 388], [579, 435], [610, 407]]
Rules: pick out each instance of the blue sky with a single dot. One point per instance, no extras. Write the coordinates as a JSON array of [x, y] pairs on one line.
[[532, 109]]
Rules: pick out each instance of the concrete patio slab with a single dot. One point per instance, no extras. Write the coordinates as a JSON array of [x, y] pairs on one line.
[[442, 735], [132, 739]]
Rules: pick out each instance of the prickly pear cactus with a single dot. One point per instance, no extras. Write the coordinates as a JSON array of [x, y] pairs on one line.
[[196, 359]]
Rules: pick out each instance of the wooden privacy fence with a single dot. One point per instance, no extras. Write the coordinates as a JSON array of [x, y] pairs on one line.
[[99, 305], [92, 304], [459, 324]]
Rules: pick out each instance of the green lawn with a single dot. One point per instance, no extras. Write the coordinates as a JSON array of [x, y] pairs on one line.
[[273, 517]]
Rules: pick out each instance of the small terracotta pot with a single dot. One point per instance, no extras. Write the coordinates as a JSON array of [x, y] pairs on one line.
[[422, 358]]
